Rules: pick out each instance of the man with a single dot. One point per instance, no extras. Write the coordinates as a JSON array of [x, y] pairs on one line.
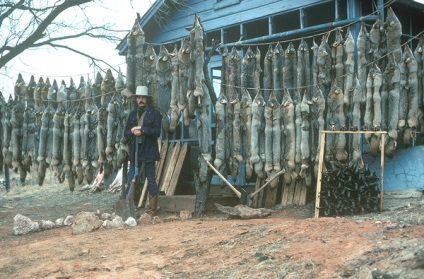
[[143, 128]]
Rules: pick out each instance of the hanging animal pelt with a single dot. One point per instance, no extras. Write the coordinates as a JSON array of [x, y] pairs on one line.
[[89, 138], [290, 68], [304, 69], [174, 111], [257, 73], [275, 137], [102, 139], [108, 88], [337, 55], [58, 134], [277, 70], [248, 68], [221, 108], [298, 129], [269, 106], [289, 139], [305, 139], [7, 132], [419, 57], [349, 72], [184, 73], [418, 54], [149, 71], [234, 78], [113, 113], [97, 89], [268, 72], [336, 120], [258, 127], [236, 156], [355, 122], [376, 116], [139, 40], [16, 122], [28, 128], [408, 102], [390, 106], [198, 56], [131, 60], [376, 34], [363, 46], [2, 122], [393, 32], [324, 64], [67, 150], [203, 127], [246, 131], [314, 65], [45, 142], [317, 113], [162, 97]]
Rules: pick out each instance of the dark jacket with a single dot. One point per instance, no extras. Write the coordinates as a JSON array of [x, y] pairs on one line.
[[148, 151]]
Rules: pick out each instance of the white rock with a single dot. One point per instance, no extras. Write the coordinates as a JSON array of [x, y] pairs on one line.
[[107, 224], [24, 225], [185, 215], [69, 220], [106, 216], [131, 222], [59, 222], [47, 225], [86, 222], [117, 222]]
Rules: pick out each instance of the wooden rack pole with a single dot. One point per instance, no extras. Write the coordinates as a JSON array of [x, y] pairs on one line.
[[319, 177], [382, 171], [321, 163]]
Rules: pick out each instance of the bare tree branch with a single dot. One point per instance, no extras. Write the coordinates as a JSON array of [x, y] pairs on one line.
[[27, 27], [94, 60]]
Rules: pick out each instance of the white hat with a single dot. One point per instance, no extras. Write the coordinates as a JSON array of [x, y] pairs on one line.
[[142, 91]]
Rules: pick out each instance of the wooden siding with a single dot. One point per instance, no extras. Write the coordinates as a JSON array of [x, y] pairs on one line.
[[215, 19]]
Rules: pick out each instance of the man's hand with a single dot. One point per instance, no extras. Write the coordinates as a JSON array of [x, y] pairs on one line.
[[136, 131]]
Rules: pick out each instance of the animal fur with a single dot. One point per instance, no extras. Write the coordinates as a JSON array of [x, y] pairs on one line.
[[290, 138], [258, 127], [304, 69], [267, 77], [162, 97], [393, 32], [234, 78], [246, 130], [337, 55], [277, 70]]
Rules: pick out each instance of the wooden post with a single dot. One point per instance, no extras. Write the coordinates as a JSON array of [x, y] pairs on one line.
[[319, 177], [321, 159], [382, 172]]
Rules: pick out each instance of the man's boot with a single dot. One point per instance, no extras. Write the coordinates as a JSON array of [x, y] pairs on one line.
[[153, 205]]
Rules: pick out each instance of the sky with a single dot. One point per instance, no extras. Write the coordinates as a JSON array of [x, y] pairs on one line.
[[63, 64]]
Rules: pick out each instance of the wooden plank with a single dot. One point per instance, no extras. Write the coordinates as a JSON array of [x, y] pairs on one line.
[[290, 192], [168, 154], [382, 171], [171, 167], [284, 193], [270, 196], [177, 171], [303, 194], [163, 153], [257, 200], [319, 176]]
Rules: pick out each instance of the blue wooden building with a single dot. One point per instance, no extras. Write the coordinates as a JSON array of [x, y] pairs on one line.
[[243, 22]]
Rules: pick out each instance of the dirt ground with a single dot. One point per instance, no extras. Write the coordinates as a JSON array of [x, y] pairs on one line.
[[288, 244]]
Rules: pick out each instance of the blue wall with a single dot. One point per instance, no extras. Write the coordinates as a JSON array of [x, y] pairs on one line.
[[404, 171]]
